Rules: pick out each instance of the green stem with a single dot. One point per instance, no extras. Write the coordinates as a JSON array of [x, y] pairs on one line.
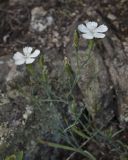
[[77, 78], [30, 69], [90, 48], [77, 61]]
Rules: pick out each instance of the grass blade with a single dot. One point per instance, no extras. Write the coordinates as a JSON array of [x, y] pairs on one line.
[[61, 146]]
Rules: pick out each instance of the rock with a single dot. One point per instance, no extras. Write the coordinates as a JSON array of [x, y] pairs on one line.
[[22, 123], [15, 2], [7, 70], [40, 20], [111, 16], [103, 80], [1, 62], [93, 75]]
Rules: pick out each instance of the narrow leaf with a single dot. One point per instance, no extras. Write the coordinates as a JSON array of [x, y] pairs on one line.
[[61, 146]]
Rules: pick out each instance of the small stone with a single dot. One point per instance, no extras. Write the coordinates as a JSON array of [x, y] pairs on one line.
[[111, 16], [1, 62], [40, 20]]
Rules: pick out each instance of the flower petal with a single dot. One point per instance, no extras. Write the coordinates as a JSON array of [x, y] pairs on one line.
[[82, 28], [18, 55], [101, 28], [35, 53], [29, 60], [99, 35], [27, 50], [91, 25], [19, 61], [87, 36]]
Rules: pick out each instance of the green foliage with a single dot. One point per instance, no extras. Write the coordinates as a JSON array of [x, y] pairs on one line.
[[77, 150], [76, 40], [12, 157], [17, 156]]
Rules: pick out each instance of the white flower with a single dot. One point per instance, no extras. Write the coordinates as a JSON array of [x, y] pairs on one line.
[[26, 57], [90, 30]]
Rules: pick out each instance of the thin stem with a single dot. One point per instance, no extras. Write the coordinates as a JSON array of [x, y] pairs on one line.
[[77, 61], [77, 78]]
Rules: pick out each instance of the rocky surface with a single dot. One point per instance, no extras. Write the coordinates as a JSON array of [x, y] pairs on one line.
[[108, 89], [103, 84], [21, 123]]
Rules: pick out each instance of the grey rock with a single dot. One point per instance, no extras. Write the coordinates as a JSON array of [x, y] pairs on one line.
[[40, 19]]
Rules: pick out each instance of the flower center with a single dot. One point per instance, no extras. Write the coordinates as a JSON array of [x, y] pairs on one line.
[[26, 55]]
